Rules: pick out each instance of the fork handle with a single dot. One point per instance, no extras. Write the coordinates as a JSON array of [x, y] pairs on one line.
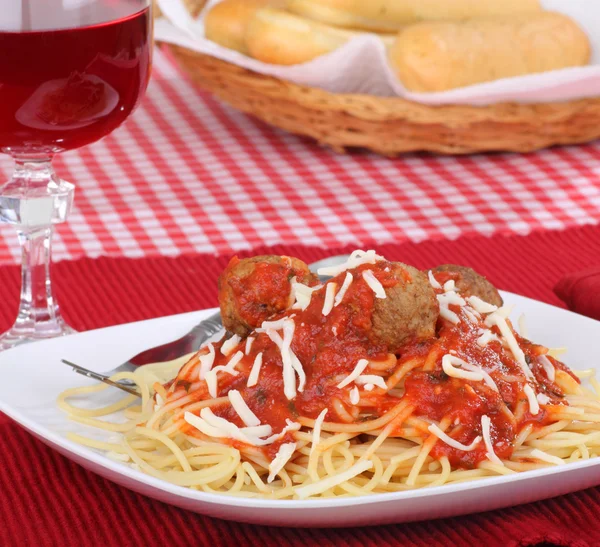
[[189, 343]]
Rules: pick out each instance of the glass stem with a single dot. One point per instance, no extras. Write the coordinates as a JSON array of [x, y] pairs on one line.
[[33, 201], [37, 302]]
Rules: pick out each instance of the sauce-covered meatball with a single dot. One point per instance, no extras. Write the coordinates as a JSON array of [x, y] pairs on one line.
[[409, 311], [253, 289], [468, 282]]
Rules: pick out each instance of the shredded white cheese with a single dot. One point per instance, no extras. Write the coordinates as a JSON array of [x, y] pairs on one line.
[[481, 306], [485, 338], [369, 387], [242, 409], [371, 379], [289, 376], [498, 320], [302, 295], [249, 435], [274, 325], [290, 426], [211, 375], [487, 379], [354, 396], [234, 360], [534, 406], [265, 431], [449, 315], [330, 482], [299, 371], [523, 326], [435, 430], [206, 361], [449, 285], [329, 298], [548, 367], [356, 259], [316, 435], [450, 364], [249, 342], [542, 398], [342, 292], [217, 427], [358, 370], [374, 284], [451, 297], [230, 344], [285, 452], [275, 337], [433, 281], [291, 363], [470, 315], [505, 311], [254, 373], [447, 299], [257, 430], [544, 457], [487, 439]]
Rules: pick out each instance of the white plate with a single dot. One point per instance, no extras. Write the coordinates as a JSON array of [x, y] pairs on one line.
[[33, 376]]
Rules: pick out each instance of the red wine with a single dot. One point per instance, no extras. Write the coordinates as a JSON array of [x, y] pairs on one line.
[[71, 71]]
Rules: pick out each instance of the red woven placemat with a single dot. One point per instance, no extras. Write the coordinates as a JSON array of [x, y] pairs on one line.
[[47, 500]]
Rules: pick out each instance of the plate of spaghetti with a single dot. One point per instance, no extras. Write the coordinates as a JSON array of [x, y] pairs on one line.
[[383, 394]]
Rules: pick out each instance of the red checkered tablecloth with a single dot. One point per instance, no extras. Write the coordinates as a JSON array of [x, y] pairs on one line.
[[188, 174]]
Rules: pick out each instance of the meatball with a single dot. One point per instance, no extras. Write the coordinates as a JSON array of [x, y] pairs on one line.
[[409, 312], [253, 289], [468, 282]]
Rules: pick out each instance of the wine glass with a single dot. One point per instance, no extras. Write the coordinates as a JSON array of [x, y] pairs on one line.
[[71, 71]]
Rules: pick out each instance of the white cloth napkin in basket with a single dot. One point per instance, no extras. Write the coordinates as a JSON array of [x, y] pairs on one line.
[[361, 65]]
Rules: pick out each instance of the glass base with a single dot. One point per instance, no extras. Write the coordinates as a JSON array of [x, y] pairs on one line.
[[23, 332]]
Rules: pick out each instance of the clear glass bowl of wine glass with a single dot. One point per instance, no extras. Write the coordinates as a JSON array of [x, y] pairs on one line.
[[71, 72]]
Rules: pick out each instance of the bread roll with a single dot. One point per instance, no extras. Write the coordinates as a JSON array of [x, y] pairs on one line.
[[388, 15], [278, 37], [226, 22], [441, 56]]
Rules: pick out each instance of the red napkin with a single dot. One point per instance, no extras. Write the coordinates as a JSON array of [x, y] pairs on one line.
[[580, 291], [46, 499]]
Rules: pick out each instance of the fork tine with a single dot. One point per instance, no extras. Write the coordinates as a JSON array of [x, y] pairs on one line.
[[100, 377]]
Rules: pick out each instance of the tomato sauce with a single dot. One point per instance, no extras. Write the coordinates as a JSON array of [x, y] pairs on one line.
[[437, 396], [329, 347]]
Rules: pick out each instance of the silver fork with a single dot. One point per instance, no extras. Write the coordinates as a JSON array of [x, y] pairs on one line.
[[184, 345], [188, 343]]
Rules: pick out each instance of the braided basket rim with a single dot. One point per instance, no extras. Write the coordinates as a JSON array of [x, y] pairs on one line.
[[390, 125]]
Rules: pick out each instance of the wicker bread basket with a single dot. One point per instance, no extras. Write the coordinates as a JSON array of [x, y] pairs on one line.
[[391, 126]]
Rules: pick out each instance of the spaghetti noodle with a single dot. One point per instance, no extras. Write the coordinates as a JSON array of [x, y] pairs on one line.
[[352, 395]]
